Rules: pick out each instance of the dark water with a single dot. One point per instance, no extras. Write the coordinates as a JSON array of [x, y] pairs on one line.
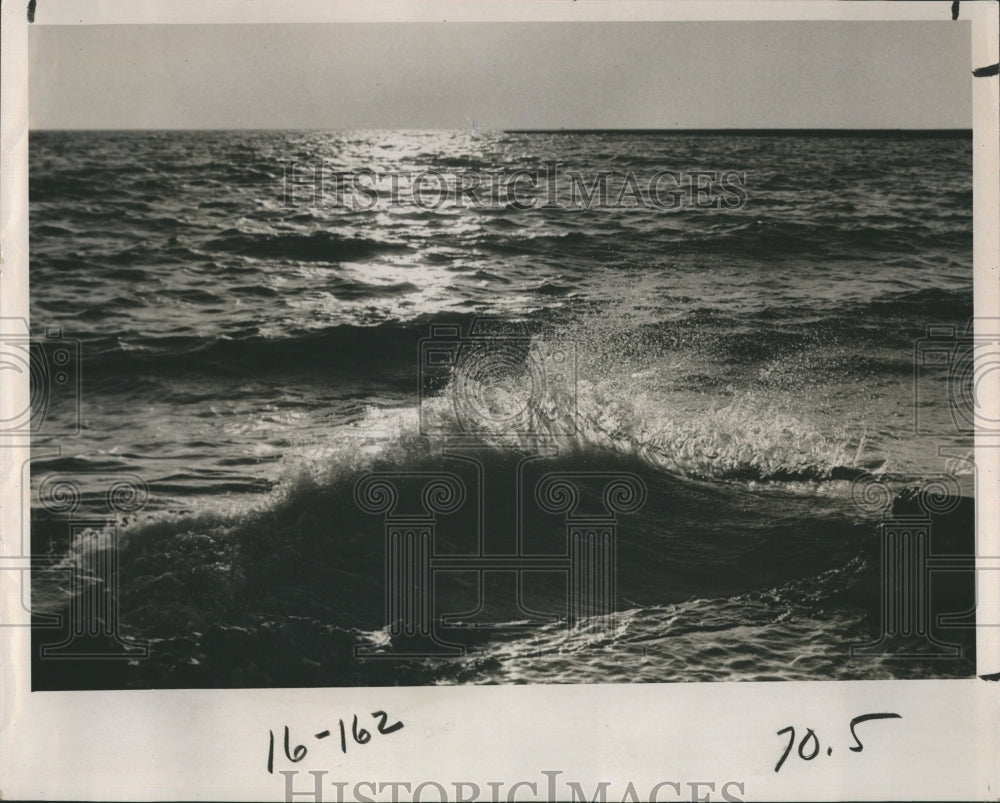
[[251, 359]]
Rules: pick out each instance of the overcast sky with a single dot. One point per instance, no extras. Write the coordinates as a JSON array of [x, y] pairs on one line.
[[503, 75]]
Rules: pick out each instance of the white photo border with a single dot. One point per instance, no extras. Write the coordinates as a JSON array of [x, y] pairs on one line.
[[200, 744]]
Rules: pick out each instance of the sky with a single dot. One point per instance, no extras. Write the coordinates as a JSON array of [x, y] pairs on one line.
[[502, 75]]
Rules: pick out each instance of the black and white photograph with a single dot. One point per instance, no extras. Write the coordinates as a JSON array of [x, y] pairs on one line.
[[440, 353]]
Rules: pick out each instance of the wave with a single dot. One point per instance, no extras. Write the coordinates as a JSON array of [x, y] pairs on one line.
[[281, 588], [282, 591], [332, 351], [319, 246], [848, 330], [744, 439], [763, 238]]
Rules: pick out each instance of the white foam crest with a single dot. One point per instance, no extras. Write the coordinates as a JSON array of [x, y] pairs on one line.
[[746, 438], [638, 413]]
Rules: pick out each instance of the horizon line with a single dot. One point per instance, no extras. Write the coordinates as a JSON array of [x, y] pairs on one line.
[[788, 130], [737, 131]]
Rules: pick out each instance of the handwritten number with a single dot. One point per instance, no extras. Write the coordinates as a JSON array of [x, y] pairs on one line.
[[298, 753], [865, 718], [809, 735], [382, 727], [791, 740], [814, 749], [360, 736]]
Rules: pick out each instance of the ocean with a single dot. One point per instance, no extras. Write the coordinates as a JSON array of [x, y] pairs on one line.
[[748, 360]]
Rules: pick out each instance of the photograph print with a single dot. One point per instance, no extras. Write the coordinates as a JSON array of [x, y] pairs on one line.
[[462, 353]]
